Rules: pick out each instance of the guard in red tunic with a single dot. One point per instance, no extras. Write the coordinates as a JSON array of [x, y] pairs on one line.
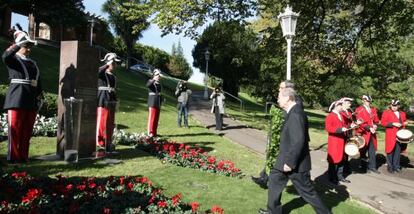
[[368, 129], [335, 126], [393, 120], [23, 96], [106, 103], [347, 115], [154, 102]]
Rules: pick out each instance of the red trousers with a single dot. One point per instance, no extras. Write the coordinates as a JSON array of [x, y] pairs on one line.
[[20, 123], [153, 117], [104, 126]]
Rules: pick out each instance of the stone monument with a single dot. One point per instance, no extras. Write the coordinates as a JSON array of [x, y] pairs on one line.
[[78, 79]]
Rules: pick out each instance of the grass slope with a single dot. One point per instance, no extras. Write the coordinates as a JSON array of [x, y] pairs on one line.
[[234, 195]]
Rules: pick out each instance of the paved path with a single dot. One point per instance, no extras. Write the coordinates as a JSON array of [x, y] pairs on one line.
[[387, 193]]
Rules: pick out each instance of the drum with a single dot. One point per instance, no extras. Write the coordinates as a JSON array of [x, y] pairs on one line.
[[404, 136], [360, 141], [352, 148]]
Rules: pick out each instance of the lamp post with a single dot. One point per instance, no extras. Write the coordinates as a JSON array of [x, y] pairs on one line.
[[92, 24], [207, 57], [288, 22]]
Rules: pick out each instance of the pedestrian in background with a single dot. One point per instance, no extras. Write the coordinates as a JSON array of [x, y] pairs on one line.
[[218, 107], [183, 97]]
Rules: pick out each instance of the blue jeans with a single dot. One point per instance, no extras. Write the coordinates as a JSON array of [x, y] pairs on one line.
[[182, 110]]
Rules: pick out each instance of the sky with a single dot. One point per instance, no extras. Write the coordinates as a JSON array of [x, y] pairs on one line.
[[151, 37]]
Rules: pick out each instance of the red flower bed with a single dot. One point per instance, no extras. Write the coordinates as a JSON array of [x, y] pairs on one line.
[[182, 155], [21, 193]]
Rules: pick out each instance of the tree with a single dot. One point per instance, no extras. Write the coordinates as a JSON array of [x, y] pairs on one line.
[[233, 58], [187, 16], [153, 56], [178, 65], [129, 20], [356, 41]]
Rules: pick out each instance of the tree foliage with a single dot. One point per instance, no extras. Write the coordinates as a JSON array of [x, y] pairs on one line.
[[354, 41], [187, 16], [152, 56], [129, 20], [233, 48], [178, 65]]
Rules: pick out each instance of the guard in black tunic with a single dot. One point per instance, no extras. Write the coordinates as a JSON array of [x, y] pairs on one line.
[[154, 102], [23, 96], [106, 103]]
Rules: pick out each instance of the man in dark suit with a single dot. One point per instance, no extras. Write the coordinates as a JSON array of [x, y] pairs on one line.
[[293, 161], [263, 179]]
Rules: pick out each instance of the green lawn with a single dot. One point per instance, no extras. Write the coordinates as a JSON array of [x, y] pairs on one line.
[[232, 194]]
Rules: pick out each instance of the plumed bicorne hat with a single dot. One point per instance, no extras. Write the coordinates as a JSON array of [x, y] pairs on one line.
[[395, 102], [367, 98], [20, 36], [110, 57], [334, 104]]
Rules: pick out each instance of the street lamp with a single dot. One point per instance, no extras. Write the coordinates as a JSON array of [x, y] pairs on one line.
[[92, 21], [288, 22], [207, 57]]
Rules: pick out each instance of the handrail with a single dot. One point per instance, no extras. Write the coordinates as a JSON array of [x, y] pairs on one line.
[[241, 101]]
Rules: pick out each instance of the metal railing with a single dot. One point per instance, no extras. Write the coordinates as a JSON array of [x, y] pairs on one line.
[[266, 107], [241, 101]]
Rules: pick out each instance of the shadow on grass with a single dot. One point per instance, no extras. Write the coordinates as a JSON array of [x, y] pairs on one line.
[[332, 195], [37, 166], [190, 134], [202, 145]]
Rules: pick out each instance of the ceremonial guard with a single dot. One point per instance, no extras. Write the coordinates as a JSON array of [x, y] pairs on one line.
[[368, 130], [348, 116], [23, 98], [336, 128], [393, 120], [154, 102], [106, 103]]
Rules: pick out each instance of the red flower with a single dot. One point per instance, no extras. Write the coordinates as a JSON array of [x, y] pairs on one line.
[[211, 160], [31, 195], [217, 209], [81, 187], [161, 204], [106, 210], [194, 206], [176, 199], [69, 187], [181, 147], [92, 185], [17, 175], [187, 148], [165, 147], [130, 185], [122, 180], [172, 153]]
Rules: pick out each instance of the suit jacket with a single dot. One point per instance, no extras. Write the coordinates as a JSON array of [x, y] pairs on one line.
[[294, 142]]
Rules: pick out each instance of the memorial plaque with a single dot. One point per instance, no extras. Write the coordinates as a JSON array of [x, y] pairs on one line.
[[78, 78]]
